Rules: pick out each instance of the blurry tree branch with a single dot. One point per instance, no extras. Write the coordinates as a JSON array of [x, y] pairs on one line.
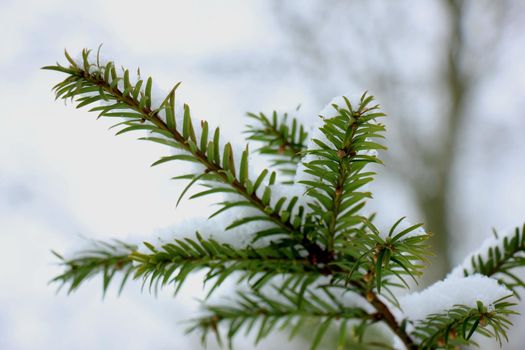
[[366, 57]]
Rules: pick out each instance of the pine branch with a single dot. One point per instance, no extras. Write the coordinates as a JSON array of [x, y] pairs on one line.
[[172, 262], [283, 141], [335, 167], [92, 82], [108, 259], [324, 234], [261, 314], [501, 259], [456, 326], [398, 254]]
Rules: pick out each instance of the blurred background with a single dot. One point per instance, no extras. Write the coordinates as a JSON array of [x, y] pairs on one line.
[[449, 73]]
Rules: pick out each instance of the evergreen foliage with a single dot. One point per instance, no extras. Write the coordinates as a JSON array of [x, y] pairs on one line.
[[456, 326], [285, 142], [501, 259], [322, 261]]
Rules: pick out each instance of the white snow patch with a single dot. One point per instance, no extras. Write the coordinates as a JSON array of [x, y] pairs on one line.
[[443, 295], [215, 228]]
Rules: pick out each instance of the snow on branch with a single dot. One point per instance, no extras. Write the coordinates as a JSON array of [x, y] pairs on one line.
[[500, 257], [308, 241], [443, 295]]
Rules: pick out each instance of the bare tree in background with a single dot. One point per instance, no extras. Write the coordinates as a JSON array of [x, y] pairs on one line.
[[400, 55]]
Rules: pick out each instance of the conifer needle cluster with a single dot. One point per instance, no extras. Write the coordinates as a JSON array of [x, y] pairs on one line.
[[316, 259]]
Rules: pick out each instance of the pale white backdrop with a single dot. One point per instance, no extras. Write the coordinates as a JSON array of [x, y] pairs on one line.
[[64, 177]]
